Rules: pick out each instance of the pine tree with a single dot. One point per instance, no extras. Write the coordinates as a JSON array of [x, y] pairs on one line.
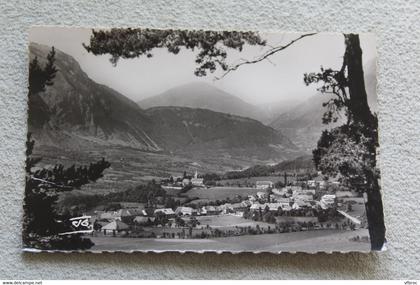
[[350, 149], [42, 223], [40, 77]]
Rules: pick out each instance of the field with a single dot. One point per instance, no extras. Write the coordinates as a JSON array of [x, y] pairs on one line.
[[310, 241], [358, 206], [252, 180], [229, 221], [160, 231], [222, 222], [282, 219], [130, 167], [221, 193]]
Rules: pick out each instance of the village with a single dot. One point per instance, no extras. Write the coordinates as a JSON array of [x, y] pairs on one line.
[[261, 208]]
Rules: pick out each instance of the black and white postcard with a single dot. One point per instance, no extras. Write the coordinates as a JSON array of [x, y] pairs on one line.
[[189, 140]]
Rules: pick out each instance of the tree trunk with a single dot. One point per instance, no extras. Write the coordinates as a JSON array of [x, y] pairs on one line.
[[360, 111], [359, 107], [375, 217]]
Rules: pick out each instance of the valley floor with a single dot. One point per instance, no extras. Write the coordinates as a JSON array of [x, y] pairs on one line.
[[131, 167], [310, 241]]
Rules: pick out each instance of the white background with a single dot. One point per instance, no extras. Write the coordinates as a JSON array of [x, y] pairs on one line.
[[396, 24]]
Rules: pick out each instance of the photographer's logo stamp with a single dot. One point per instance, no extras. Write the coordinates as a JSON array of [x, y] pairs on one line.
[[80, 225]]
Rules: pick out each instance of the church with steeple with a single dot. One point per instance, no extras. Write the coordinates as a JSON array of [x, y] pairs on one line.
[[195, 181]]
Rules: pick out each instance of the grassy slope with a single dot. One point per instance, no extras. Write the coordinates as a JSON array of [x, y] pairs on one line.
[[311, 241]]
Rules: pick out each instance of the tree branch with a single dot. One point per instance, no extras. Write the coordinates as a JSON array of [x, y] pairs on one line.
[[263, 57], [51, 183]]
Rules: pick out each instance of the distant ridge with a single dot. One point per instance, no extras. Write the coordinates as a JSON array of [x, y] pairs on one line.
[[202, 131], [75, 110], [303, 122], [205, 96]]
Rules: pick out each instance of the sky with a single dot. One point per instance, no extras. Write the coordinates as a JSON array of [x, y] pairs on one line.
[[278, 79]]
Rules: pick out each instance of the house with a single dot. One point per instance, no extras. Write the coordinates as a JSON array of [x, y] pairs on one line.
[[185, 182], [280, 192], [323, 184], [327, 201], [285, 206], [98, 224], [246, 203], [178, 178], [264, 184], [298, 204], [239, 207], [96, 213], [252, 198], [209, 210], [294, 188], [106, 216], [122, 213], [256, 207], [297, 190], [273, 207], [261, 195], [166, 211], [283, 200], [143, 220], [137, 212], [226, 208], [344, 194], [185, 211], [311, 183], [114, 227], [140, 213], [198, 182], [115, 215], [304, 197]]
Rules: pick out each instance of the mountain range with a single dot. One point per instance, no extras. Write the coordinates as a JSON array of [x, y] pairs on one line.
[[76, 111], [204, 96], [189, 119], [299, 119], [196, 130], [303, 122]]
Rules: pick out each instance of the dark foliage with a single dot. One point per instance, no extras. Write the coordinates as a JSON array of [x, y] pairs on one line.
[[300, 164], [149, 194], [131, 43], [42, 224], [39, 76], [254, 171], [334, 82], [350, 150]]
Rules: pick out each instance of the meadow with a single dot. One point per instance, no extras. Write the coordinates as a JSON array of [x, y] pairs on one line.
[[253, 180], [221, 193], [130, 167], [229, 221], [309, 241]]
